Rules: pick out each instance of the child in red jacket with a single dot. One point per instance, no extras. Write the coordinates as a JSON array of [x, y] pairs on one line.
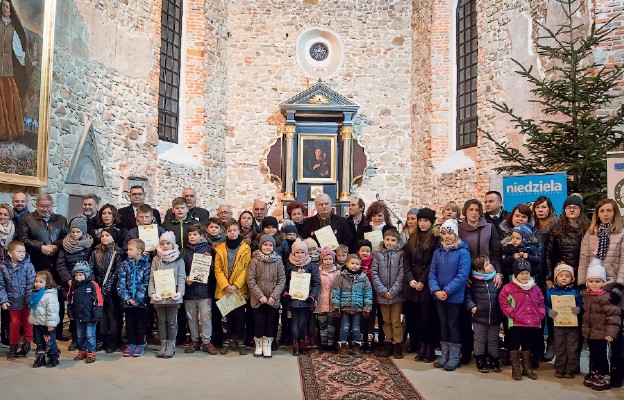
[[523, 304]]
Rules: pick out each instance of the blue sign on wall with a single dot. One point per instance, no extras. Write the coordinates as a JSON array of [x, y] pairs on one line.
[[527, 188]]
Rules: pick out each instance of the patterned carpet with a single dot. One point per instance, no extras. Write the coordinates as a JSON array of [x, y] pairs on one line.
[[326, 376]]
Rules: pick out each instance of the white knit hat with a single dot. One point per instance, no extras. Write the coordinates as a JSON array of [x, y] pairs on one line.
[[450, 225], [596, 270], [168, 236]]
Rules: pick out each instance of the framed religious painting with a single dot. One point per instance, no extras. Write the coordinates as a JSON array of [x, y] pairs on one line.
[[27, 35], [316, 159]]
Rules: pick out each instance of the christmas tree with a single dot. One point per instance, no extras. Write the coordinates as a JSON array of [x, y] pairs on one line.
[[573, 135]]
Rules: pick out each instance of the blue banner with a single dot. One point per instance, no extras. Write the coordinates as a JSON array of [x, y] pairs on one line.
[[527, 188]]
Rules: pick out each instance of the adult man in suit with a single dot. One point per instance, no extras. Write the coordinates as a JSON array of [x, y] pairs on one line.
[[259, 212], [128, 214], [324, 216], [197, 213], [494, 212], [356, 214]]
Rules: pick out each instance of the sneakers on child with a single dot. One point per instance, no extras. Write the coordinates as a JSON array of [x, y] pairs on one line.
[[129, 351], [138, 351], [191, 347], [210, 348], [90, 358], [82, 354]]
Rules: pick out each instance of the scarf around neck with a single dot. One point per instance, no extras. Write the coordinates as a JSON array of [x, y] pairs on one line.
[[603, 240], [299, 261], [35, 297], [482, 277], [524, 286], [74, 246], [169, 255], [233, 244], [267, 258]]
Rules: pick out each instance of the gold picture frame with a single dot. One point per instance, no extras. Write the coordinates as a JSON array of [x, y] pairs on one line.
[[316, 161], [24, 155]]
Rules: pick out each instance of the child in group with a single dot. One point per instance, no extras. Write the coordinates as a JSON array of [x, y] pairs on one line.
[[566, 338], [367, 324], [324, 317], [76, 247], [352, 299], [300, 261], [105, 260], [180, 221], [601, 326], [387, 274], [84, 306], [231, 263], [313, 250], [309, 340], [215, 232], [266, 279], [144, 217], [132, 284], [289, 229], [198, 296], [342, 252], [168, 257], [450, 267], [16, 284], [270, 226], [482, 301], [520, 244], [521, 300], [44, 317]]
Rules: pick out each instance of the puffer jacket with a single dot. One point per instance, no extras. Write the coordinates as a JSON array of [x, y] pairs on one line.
[[508, 259], [352, 293], [325, 295], [523, 308], [564, 247], [416, 266], [34, 231], [600, 317], [16, 283], [265, 279], [133, 280], [449, 272], [238, 276], [109, 288], [315, 284], [483, 295], [178, 274], [66, 262], [199, 290], [388, 275], [85, 301], [613, 262], [47, 311]]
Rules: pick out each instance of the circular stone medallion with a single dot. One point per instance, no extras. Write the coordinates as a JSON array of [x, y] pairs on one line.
[[319, 51]]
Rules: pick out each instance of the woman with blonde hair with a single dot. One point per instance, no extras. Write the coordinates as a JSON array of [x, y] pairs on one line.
[[7, 228]]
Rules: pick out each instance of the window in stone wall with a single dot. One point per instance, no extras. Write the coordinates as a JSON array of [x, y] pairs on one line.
[[467, 48], [170, 55]]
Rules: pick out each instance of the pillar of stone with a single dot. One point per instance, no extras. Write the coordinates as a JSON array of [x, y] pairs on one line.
[[346, 134], [289, 134]]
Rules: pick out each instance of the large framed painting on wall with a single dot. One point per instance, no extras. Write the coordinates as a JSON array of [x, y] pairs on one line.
[[26, 41], [316, 158]]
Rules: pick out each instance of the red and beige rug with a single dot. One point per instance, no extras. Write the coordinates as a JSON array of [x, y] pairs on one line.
[[326, 376]]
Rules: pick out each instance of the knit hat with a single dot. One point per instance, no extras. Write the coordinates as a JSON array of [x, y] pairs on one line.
[[426, 213], [596, 270], [83, 267], [266, 238], [79, 222], [521, 265], [289, 227], [362, 243], [564, 267], [450, 225], [327, 252], [114, 232], [310, 243], [168, 236], [413, 211], [573, 200], [270, 221], [524, 231], [299, 245]]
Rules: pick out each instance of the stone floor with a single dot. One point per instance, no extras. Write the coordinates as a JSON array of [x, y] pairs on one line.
[[188, 376]]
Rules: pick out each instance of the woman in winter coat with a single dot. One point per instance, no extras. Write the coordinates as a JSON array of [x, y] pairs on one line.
[[604, 240]]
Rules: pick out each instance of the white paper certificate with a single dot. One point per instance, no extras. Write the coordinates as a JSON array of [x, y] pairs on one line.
[[326, 238], [149, 234], [299, 285], [563, 305], [200, 268], [376, 239], [164, 283], [230, 302]]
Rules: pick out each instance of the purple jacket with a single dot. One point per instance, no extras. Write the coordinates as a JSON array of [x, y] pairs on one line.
[[482, 240], [522, 307]]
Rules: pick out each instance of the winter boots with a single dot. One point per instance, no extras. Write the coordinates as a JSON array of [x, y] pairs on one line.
[[516, 371], [398, 351], [40, 360], [454, 357], [444, 355], [53, 360], [24, 350], [170, 349], [482, 364], [259, 342], [163, 348], [526, 365], [356, 349], [267, 343], [12, 353]]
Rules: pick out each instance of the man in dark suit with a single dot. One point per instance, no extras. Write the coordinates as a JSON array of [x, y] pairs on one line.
[[356, 214], [197, 213], [494, 212], [259, 212], [324, 217], [128, 214]]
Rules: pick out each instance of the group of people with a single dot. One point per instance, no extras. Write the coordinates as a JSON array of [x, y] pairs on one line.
[[451, 280]]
